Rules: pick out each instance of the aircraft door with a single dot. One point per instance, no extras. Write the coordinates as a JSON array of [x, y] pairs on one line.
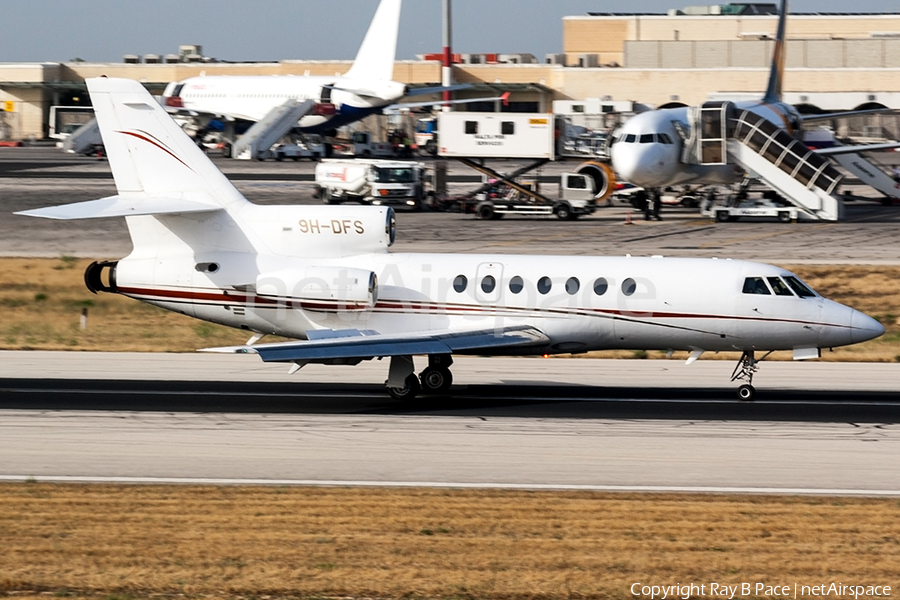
[[488, 282]]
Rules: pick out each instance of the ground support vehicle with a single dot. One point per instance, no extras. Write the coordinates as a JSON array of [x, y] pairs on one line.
[[371, 181]]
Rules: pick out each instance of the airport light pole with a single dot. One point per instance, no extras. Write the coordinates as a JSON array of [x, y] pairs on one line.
[[447, 66]]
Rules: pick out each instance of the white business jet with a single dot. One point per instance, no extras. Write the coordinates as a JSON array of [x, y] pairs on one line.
[[324, 276], [366, 89], [649, 149]]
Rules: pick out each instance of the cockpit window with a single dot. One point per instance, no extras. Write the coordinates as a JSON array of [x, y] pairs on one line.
[[646, 138], [798, 287], [629, 138], [664, 138], [779, 287], [756, 285]]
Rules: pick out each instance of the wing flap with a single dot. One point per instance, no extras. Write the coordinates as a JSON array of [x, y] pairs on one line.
[[366, 345], [119, 206]]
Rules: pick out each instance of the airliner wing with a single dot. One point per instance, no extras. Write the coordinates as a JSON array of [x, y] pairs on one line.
[[355, 344], [849, 113], [835, 150], [504, 97]]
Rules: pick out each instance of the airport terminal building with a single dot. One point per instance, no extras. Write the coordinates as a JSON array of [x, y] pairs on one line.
[[834, 62]]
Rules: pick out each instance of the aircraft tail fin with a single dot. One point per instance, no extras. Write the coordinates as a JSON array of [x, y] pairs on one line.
[[375, 59], [149, 154], [776, 75]]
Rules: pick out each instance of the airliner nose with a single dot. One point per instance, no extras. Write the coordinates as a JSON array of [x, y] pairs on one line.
[[863, 327]]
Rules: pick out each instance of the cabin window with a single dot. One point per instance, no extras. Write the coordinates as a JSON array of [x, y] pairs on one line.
[[629, 286], [799, 288], [508, 128], [778, 286], [488, 284], [544, 285], [756, 285], [600, 286], [471, 127], [646, 138], [516, 284], [572, 285], [460, 283]]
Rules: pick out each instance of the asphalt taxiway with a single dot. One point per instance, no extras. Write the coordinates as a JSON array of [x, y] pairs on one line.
[[531, 423]]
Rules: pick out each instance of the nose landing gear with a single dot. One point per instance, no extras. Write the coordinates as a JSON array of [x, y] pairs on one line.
[[747, 366]]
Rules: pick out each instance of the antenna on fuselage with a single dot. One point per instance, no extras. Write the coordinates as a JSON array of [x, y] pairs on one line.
[[776, 75]]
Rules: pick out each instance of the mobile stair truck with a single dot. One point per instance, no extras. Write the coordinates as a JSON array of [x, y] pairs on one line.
[[371, 181]]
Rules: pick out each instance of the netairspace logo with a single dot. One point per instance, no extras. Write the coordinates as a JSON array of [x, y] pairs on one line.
[[741, 590]]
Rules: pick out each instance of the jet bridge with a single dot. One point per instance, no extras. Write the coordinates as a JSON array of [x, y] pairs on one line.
[[720, 134], [255, 143]]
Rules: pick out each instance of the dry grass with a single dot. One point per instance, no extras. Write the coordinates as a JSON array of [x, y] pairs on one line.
[[42, 301], [228, 542]]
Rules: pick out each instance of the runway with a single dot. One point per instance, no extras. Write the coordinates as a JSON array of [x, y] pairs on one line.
[[524, 423]]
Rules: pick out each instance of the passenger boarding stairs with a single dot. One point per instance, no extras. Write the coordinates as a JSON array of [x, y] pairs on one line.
[[255, 143], [722, 134], [85, 139]]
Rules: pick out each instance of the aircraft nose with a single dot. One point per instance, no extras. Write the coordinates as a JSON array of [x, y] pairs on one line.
[[863, 327]]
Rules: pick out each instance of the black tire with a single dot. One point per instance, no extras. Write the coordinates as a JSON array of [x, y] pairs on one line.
[[784, 216], [485, 211], [722, 216], [226, 151], [436, 380], [563, 211], [279, 157], [430, 147], [746, 393], [409, 390]]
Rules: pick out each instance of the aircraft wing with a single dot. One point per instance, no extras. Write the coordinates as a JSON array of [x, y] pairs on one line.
[[504, 97], [849, 113], [365, 344], [835, 150]]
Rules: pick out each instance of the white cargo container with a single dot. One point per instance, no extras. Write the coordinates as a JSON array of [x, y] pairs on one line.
[[497, 135], [371, 181]]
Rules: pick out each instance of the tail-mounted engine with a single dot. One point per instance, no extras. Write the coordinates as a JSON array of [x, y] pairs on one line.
[[330, 289], [94, 275]]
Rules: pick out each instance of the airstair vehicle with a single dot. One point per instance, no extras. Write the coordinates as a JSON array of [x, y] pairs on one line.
[[85, 139], [721, 134], [255, 143]]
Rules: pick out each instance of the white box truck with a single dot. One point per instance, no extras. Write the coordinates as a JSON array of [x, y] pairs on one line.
[[371, 181]]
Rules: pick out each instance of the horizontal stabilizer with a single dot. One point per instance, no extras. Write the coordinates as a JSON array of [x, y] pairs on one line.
[[119, 206], [369, 344]]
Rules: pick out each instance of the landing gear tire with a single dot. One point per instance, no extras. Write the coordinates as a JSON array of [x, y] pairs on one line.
[[409, 390], [746, 392], [436, 380]]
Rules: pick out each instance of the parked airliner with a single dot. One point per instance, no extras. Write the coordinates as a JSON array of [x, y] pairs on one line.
[[648, 150], [324, 276], [366, 89]]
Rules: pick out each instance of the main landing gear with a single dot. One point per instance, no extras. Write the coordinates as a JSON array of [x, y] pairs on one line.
[[435, 379], [747, 366]]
